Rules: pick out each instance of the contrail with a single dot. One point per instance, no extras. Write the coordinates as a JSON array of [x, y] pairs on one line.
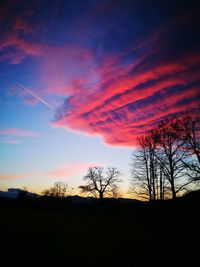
[[36, 96]]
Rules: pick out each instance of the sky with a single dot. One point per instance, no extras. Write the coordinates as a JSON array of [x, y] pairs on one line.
[[81, 80]]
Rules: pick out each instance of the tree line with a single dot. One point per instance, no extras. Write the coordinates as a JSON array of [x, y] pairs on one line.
[[165, 163], [167, 159]]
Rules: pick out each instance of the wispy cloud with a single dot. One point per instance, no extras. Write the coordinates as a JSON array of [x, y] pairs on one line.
[[9, 140], [7, 176], [18, 132], [70, 169]]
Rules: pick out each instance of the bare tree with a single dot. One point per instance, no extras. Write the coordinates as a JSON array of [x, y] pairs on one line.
[[59, 189], [167, 158], [148, 179], [191, 134], [101, 182], [115, 192], [140, 170], [171, 154]]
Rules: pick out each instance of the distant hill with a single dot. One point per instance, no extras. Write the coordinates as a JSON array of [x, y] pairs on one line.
[[14, 193]]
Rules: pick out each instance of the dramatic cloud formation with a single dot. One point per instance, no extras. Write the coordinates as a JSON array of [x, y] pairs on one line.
[[139, 86]]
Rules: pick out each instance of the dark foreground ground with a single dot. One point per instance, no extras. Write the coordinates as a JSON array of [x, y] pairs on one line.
[[99, 234]]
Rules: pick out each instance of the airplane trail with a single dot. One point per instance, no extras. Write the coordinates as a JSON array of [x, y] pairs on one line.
[[36, 96]]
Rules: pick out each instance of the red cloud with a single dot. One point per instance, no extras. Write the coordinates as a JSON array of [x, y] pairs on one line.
[[21, 47], [121, 95], [18, 30], [131, 96], [125, 106]]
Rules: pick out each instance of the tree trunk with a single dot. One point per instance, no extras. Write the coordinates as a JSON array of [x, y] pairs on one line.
[[172, 175], [161, 185], [173, 190], [100, 195]]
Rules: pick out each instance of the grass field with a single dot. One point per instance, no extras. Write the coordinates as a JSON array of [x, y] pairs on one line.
[[97, 235]]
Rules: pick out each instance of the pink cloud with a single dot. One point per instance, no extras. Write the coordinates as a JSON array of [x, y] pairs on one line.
[[65, 69], [5, 176], [18, 132], [31, 101], [116, 96], [21, 47], [129, 99], [25, 96], [71, 169], [9, 140], [131, 104], [14, 42]]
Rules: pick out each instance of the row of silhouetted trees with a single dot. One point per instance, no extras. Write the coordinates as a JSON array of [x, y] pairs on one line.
[[167, 159], [165, 163]]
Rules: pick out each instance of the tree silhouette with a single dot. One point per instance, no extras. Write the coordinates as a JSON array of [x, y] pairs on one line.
[[59, 189], [171, 153], [191, 128], [167, 158], [100, 181], [148, 179]]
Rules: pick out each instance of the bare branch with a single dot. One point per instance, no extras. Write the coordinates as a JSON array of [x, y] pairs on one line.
[[101, 182]]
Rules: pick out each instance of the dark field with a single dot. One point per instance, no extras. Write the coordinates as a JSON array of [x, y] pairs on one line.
[[99, 234]]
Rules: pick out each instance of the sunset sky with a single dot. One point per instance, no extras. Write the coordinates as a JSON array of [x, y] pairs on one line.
[[80, 80]]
